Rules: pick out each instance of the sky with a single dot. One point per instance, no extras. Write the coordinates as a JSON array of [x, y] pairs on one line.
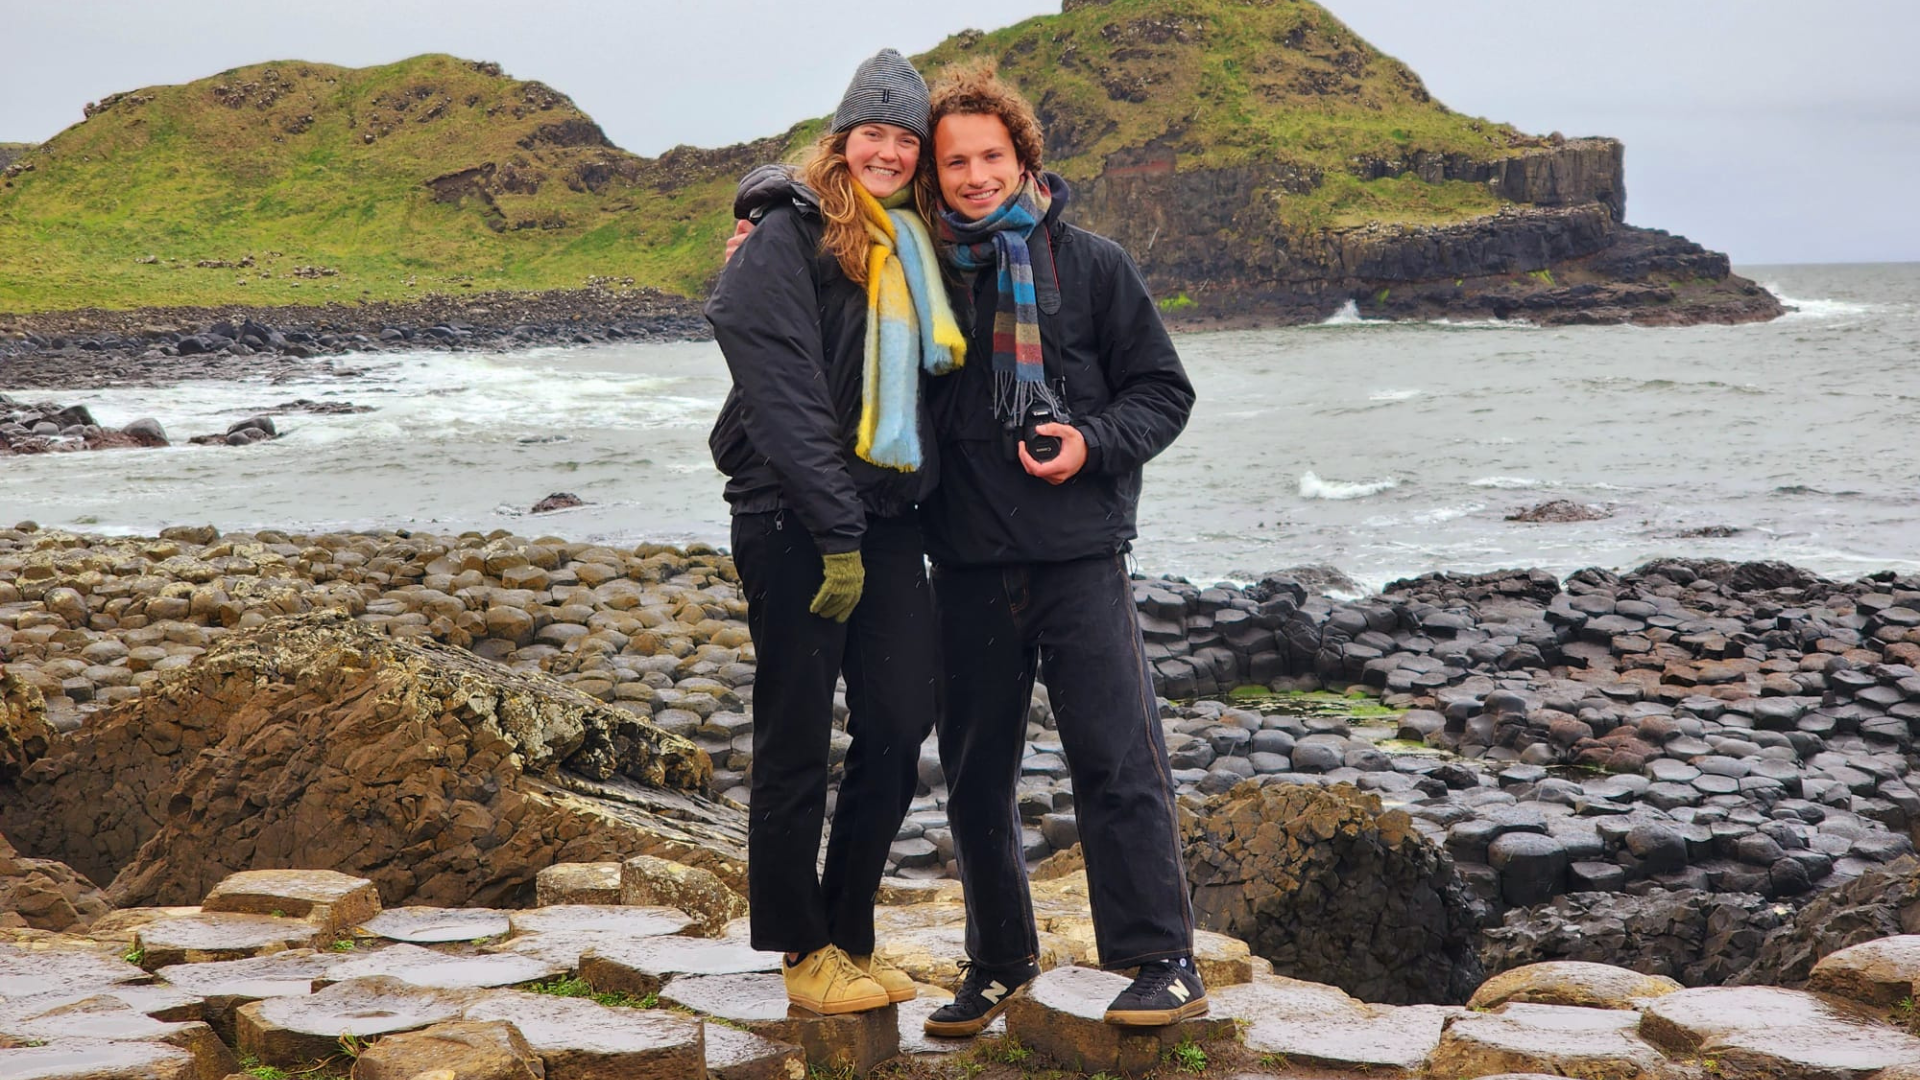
[[1774, 130]]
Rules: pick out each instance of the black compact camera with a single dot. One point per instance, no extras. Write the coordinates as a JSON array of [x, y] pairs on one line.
[[1039, 447]]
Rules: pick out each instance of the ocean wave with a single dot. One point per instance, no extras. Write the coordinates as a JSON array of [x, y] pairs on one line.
[[1819, 309], [1394, 395], [1448, 513], [1312, 487], [1348, 315], [1506, 483]]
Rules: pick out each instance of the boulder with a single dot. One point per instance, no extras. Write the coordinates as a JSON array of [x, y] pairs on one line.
[[1879, 972], [650, 881], [578, 883], [1571, 982], [461, 779], [1330, 888], [46, 895]]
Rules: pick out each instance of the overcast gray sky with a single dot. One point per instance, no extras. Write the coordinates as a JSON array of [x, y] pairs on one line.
[[1775, 130]]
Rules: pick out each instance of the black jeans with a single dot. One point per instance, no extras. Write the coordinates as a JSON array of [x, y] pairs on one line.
[[887, 652], [1075, 621]]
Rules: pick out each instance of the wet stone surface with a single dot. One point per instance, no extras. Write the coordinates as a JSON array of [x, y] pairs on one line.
[[733, 1054], [95, 1059], [1317, 1025], [24, 972], [286, 1031], [1569, 982], [1768, 1031], [613, 919], [580, 1040], [1552, 1039], [211, 936], [434, 925], [758, 1002], [416, 966], [1878, 972]]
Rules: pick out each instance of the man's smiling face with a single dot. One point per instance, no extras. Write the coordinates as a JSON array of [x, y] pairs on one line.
[[977, 167]]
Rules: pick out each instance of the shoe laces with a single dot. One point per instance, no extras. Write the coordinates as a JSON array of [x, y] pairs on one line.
[[1155, 977], [844, 966], [973, 978]]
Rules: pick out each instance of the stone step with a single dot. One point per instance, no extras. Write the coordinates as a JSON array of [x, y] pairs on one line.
[[758, 1003], [286, 1031], [1552, 1039], [1879, 972], [332, 901], [578, 1039], [1319, 1025], [1060, 1016], [416, 966], [1778, 1033], [212, 936], [109, 1018], [100, 1059], [226, 985], [643, 967], [472, 1048], [617, 919]]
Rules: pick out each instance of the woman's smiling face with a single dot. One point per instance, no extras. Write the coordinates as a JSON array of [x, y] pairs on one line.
[[976, 163], [882, 157]]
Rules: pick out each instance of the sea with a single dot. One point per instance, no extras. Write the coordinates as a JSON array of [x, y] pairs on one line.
[[1381, 449]]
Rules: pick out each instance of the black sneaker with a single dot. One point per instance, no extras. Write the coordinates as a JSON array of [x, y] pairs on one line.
[[984, 994], [1165, 992]]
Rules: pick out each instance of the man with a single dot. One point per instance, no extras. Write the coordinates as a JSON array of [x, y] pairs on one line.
[[1066, 358], [1029, 561]]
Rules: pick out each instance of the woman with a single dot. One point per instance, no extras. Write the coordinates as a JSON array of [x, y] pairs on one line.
[[829, 316]]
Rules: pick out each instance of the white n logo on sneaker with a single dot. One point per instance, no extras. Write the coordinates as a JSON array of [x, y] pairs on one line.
[[994, 992], [1179, 990]]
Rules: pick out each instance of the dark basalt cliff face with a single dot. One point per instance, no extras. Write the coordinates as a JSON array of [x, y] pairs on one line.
[[1565, 255]]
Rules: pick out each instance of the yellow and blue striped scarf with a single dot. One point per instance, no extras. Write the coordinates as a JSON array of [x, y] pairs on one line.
[[910, 329]]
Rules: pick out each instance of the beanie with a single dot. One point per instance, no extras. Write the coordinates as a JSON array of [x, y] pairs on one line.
[[887, 90]]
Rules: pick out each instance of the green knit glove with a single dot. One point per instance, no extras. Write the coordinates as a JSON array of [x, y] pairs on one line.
[[841, 591]]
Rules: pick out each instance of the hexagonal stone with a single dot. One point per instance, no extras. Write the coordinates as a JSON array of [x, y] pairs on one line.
[[578, 883], [580, 1040], [435, 926], [100, 1059], [159, 1001], [733, 1054], [915, 1041], [1878, 972], [297, 1030], [26, 972], [333, 901], [856, 1041], [107, 1017], [212, 936], [1571, 982], [932, 954], [1319, 1025], [615, 919], [1549, 1039], [1767, 1031], [1061, 1017], [416, 966], [493, 1049], [642, 966], [225, 986]]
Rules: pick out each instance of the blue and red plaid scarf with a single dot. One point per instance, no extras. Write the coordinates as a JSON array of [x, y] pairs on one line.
[[1000, 240]]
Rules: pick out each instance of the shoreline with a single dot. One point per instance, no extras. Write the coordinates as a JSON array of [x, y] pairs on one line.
[[1691, 725]]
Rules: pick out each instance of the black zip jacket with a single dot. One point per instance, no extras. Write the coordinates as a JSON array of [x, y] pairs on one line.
[[1125, 391], [793, 328]]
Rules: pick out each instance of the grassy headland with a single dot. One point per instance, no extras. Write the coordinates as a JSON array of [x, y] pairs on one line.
[[297, 183]]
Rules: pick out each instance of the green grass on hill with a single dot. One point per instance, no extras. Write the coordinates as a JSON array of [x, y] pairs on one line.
[[301, 183]]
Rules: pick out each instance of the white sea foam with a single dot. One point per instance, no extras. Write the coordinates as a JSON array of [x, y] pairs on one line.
[[1348, 315], [1312, 487], [1394, 395], [1506, 483], [1819, 309], [1449, 513]]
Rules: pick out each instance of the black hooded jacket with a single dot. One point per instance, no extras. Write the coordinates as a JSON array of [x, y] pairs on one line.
[[1124, 389], [794, 331]]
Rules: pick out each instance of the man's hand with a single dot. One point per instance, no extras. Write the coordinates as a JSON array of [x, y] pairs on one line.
[[1065, 464], [739, 237]]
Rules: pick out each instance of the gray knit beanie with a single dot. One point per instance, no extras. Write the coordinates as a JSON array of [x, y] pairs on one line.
[[885, 89]]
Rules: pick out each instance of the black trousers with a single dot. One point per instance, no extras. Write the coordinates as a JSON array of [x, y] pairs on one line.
[[887, 652], [1075, 621]]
